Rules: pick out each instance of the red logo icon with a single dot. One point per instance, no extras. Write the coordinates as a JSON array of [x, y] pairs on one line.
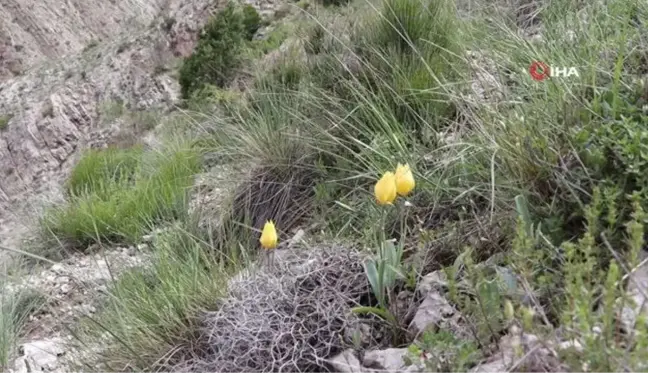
[[539, 71]]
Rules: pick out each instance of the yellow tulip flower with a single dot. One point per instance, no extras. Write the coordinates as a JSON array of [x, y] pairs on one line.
[[404, 180], [385, 189], [269, 236]]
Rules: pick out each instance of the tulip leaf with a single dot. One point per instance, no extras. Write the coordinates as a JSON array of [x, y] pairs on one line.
[[523, 211], [373, 277]]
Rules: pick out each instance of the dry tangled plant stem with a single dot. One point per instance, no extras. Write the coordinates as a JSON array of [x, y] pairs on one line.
[[291, 317]]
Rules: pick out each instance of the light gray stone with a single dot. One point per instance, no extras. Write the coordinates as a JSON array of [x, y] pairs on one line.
[[436, 280], [637, 291], [498, 365], [346, 362], [40, 356], [434, 309], [390, 360]]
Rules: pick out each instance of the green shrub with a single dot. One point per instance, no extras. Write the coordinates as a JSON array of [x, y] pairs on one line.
[[411, 27], [116, 196], [581, 282], [442, 352], [287, 75], [251, 21], [272, 41], [217, 53], [409, 51], [144, 120]]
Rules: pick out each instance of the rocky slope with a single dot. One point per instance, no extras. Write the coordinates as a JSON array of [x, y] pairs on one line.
[[59, 63], [62, 63]]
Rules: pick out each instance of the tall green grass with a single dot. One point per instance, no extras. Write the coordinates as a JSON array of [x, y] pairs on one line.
[[118, 195], [99, 172], [152, 314], [15, 308]]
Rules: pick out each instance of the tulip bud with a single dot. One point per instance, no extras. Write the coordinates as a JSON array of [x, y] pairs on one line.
[[527, 317], [269, 236], [385, 189], [509, 312], [404, 180]]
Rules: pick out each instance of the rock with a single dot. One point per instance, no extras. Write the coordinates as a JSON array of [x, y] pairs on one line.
[[296, 238], [430, 314], [487, 84], [637, 291], [69, 71], [142, 247], [39, 356], [361, 335], [522, 352], [390, 360], [498, 365], [566, 345], [346, 362], [65, 288], [436, 280], [147, 238]]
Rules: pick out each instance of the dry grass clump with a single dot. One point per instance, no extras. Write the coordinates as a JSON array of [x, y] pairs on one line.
[[291, 317], [281, 193]]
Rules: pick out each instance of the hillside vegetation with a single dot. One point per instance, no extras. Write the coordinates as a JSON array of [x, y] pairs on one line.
[[530, 198]]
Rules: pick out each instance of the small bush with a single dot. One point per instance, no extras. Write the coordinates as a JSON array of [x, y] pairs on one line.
[[144, 120], [443, 351], [167, 23], [217, 53], [409, 51], [272, 41], [420, 27], [251, 21], [91, 45]]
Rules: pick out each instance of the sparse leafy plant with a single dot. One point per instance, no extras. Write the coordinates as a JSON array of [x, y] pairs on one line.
[[4, 121], [442, 352], [383, 271], [111, 110]]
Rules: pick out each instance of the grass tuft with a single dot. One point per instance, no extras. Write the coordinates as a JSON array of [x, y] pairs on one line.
[[118, 195], [15, 308], [154, 312]]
